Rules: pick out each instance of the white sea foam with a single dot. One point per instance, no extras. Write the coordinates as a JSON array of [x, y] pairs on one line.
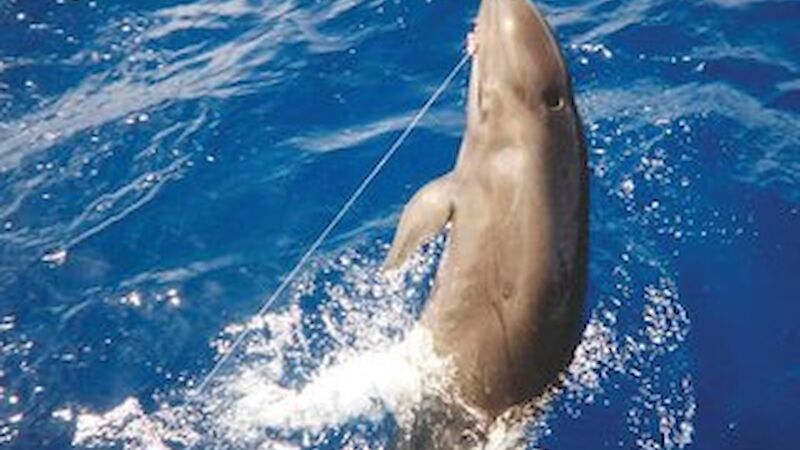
[[357, 357], [361, 385]]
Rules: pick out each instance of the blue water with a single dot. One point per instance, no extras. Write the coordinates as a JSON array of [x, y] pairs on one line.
[[163, 165]]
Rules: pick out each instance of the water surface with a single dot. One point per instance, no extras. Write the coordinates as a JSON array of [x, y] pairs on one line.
[[163, 164]]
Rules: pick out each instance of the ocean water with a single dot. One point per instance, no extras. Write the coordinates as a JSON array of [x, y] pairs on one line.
[[165, 163]]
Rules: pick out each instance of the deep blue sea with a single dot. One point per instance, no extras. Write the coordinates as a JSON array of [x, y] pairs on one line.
[[164, 164]]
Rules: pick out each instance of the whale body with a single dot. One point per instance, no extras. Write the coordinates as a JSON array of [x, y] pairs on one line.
[[507, 303]]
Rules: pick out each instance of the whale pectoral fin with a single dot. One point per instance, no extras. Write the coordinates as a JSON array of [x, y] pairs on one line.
[[426, 214]]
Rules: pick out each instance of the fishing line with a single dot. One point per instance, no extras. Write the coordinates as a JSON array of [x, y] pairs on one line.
[[331, 225]]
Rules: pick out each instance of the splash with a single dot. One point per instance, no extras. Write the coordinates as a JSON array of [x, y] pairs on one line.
[[359, 386], [343, 364], [316, 364], [129, 425]]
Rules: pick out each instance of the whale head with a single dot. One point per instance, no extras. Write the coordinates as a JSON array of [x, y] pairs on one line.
[[518, 67]]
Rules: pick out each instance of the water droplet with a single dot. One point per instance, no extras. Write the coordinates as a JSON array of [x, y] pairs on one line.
[[56, 257], [64, 414]]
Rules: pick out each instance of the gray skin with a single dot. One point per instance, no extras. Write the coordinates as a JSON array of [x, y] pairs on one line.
[[507, 303]]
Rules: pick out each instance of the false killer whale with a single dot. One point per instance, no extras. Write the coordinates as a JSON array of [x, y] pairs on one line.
[[507, 303]]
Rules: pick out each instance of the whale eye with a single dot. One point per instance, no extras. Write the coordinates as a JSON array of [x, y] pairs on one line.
[[553, 99]]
